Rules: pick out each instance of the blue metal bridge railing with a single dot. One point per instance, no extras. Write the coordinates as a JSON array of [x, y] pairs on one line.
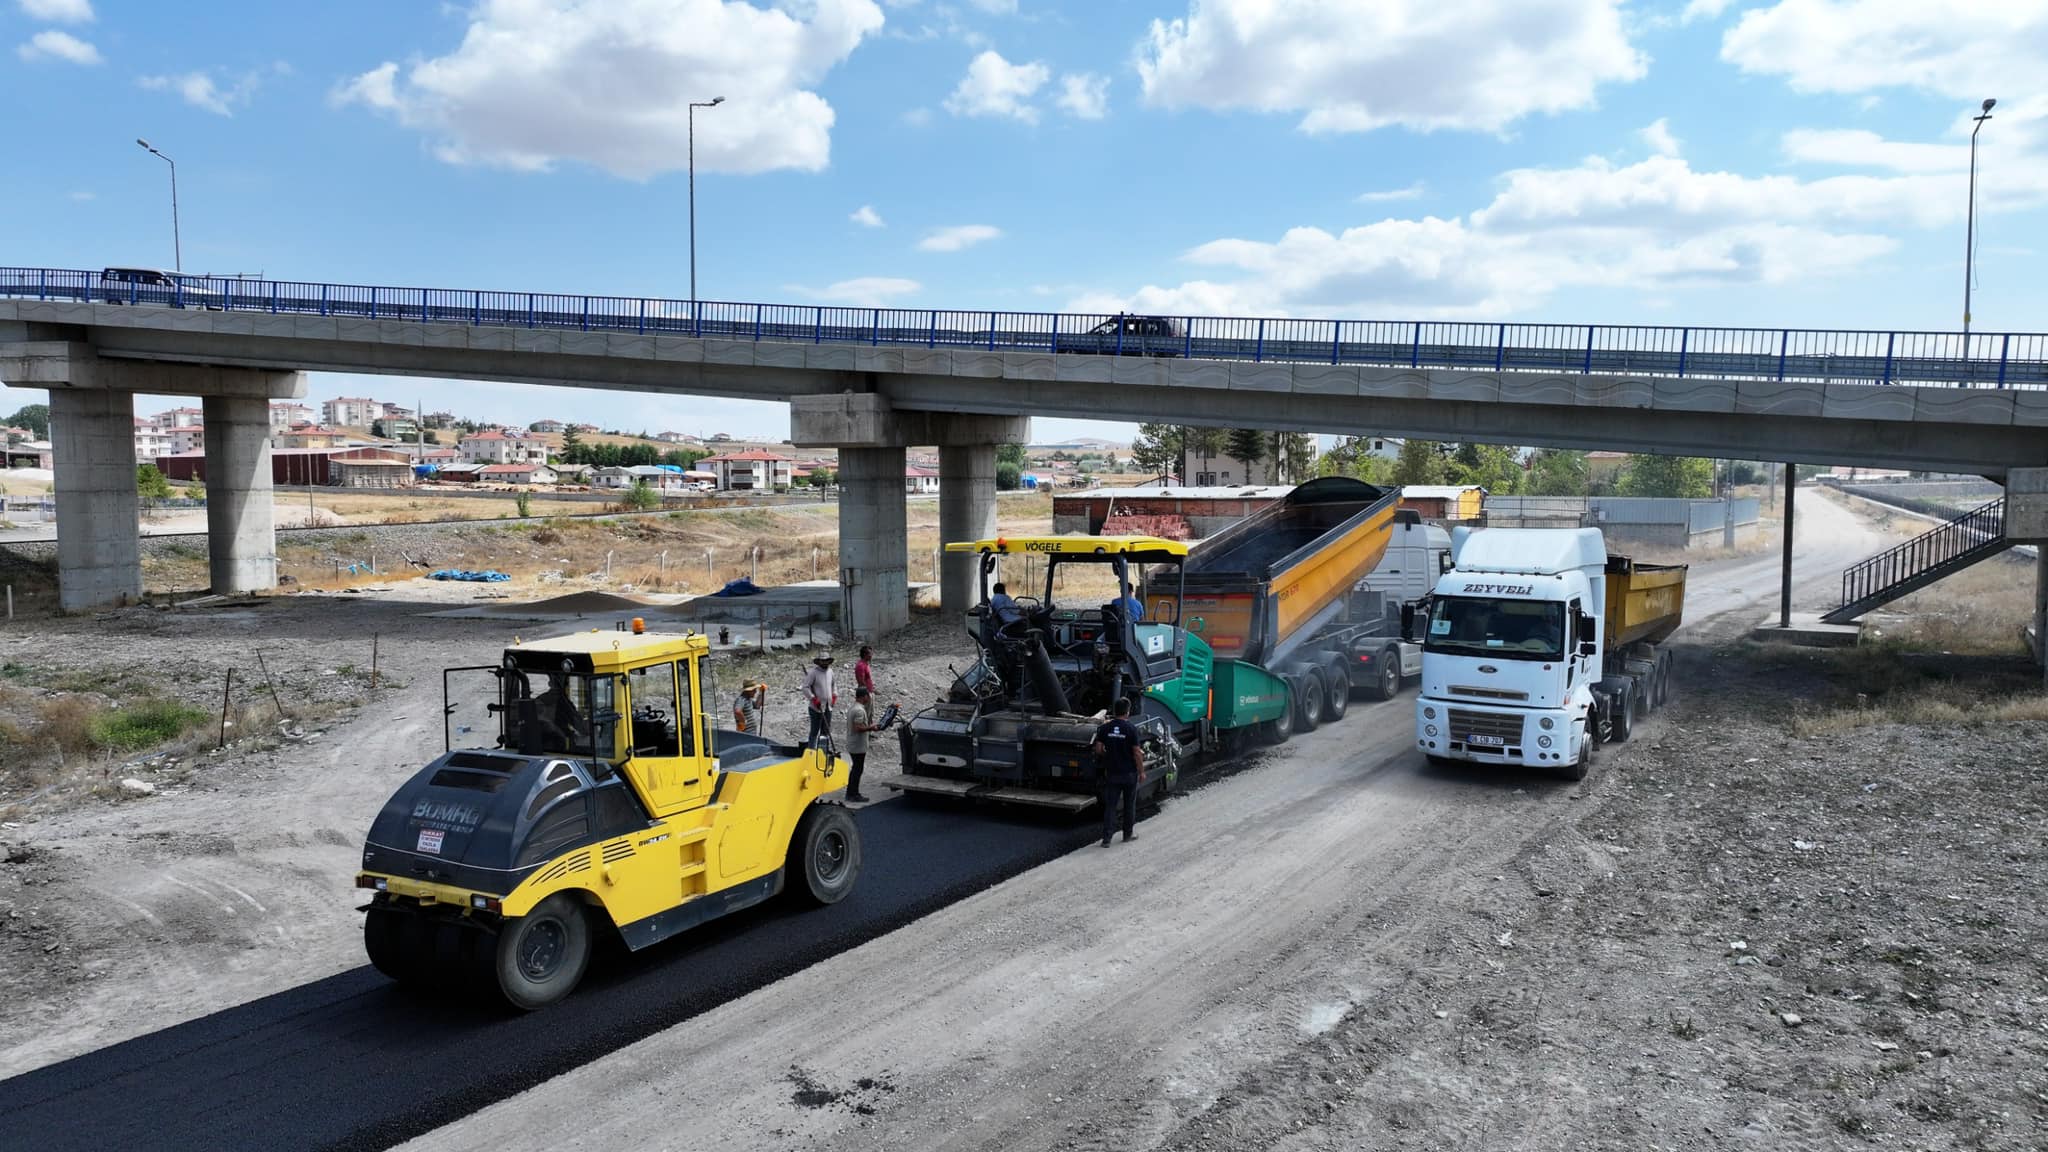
[[1979, 360]]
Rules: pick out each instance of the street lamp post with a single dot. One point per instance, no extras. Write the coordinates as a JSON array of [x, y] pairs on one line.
[[177, 246], [1970, 229], [714, 102]]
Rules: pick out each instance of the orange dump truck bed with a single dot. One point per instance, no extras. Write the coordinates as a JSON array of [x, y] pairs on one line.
[[1258, 585], [1645, 602]]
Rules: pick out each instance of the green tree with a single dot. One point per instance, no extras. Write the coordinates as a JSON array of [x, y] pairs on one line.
[[1011, 454], [1557, 472], [1160, 448], [34, 417], [151, 485], [1669, 476], [524, 502], [1491, 466], [1295, 452], [1009, 477], [1202, 443], [1247, 446], [824, 477], [429, 436], [195, 491], [572, 447], [1420, 462], [640, 497]]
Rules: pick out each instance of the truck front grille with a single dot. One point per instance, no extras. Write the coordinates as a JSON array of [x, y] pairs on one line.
[[1488, 693], [1499, 732]]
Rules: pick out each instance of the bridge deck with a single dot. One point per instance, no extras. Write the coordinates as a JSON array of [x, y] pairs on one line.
[[1985, 359]]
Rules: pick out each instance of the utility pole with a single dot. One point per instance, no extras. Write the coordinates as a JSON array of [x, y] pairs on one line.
[[177, 245], [691, 115], [1970, 229]]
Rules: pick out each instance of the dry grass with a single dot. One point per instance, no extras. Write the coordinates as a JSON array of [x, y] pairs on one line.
[[1945, 705], [1978, 611]]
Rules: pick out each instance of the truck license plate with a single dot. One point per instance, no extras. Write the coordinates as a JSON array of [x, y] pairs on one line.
[[1475, 738]]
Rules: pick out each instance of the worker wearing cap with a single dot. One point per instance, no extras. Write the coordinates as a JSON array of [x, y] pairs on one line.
[[819, 696]]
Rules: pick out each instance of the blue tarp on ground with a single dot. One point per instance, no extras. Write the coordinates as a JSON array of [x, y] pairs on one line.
[[487, 576], [739, 587]]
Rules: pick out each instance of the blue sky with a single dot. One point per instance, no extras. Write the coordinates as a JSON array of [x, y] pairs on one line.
[[1793, 162]]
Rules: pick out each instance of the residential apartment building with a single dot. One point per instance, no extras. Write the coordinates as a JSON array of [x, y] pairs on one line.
[[920, 481], [351, 412], [283, 416], [546, 426], [1223, 472], [500, 447], [753, 470], [180, 418]]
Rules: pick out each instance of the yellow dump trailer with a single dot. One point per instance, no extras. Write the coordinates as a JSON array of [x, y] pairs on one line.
[[1645, 602]]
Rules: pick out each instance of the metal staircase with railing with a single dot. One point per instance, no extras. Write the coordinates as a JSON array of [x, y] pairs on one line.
[[1975, 535]]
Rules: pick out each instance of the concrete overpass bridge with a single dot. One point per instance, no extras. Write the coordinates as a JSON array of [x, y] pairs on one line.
[[873, 381]]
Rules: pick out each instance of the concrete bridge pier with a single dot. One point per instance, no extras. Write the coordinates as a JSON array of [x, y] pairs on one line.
[[241, 548], [2026, 521], [99, 557], [92, 428], [874, 544]]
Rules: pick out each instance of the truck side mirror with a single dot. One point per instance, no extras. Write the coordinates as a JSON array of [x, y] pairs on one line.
[[1588, 635], [1444, 564], [1408, 622]]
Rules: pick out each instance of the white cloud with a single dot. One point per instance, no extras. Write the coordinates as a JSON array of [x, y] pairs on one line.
[[866, 217], [1425, 64], [1084, 95], [995, 7], [1860, 149], [1650, 226], [536, 82], [199, 90], [995, 87], [1413, 191], [957, 237], [1966, 51], [1703, 10], [863, 291], [58, 11], [60, 46], [83, 196], [1657, 134]]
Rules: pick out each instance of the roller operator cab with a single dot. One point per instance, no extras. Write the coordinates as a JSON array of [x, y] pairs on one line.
[[607, 800], [1538, 647]]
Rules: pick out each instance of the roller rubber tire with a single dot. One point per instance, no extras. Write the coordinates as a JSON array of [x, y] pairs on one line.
[[824, 855], [540, 957]]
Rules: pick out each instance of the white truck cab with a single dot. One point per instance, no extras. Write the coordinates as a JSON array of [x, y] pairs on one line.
[[1512, 658]]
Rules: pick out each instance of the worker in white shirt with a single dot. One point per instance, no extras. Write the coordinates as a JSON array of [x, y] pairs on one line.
[[818, 695]]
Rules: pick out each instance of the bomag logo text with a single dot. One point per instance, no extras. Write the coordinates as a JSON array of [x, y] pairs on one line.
[[442, 812]]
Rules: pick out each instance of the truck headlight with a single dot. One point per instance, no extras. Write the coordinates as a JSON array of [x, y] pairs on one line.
[[1429, 713], [1543, 741], [1546, 723], [1429, 730]]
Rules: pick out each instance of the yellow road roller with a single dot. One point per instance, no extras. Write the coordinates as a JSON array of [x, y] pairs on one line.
[[604, 797]]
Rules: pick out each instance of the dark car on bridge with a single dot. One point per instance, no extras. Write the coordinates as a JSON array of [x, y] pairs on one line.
[[1129, 335]]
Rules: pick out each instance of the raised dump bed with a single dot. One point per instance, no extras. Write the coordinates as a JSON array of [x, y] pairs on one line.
[[1259, 589]]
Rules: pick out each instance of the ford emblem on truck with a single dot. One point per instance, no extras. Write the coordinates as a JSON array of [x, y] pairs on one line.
[[1488, 668]]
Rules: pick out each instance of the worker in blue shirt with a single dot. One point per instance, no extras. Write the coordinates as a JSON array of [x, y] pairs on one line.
[[1133, 607], [1120, 758]]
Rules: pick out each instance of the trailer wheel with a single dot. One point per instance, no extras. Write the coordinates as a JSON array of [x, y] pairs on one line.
[[824, 854], [1337, 681], [541, 955], [1624, 715], [1386, 679], [1663, 678], [1307, 690]]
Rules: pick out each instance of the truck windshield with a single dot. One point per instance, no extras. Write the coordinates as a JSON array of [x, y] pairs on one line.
[[1515, 629]]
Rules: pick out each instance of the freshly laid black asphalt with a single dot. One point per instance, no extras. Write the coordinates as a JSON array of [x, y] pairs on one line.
[[351, 1062]]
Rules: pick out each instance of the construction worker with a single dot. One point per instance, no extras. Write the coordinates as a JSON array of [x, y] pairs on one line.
[[860, 721], [1003, 607], [1120, 759], [748, 706], [863, 669], [818, 695], [556, 710]]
